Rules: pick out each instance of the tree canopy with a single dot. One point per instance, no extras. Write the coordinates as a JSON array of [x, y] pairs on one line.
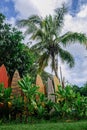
[[13, 53]]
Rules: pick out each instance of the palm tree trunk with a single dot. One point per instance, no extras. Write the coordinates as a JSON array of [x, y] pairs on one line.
[[55, 62], [56, 66], [56, 69]]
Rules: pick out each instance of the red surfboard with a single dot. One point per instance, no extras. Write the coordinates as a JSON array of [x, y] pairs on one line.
[[3, 76]]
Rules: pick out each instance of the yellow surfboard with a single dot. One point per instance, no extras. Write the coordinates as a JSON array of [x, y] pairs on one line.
[[56, 83]]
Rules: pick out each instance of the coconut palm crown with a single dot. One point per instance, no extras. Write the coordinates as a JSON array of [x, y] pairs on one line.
[[50, 43]]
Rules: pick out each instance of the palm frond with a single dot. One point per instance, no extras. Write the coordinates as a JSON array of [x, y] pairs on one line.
[[30, 26], [25, 22], [38, 47], [22, 23], [62, 10], [38, 35], [59, 17], [35, 19], [31, 23], [66, 57], [70, 37], [30, 29]]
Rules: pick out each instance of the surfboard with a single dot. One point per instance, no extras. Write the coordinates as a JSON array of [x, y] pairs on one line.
[[39, 83], [4, 76], [16, 90], [50, 90], [56, 83]]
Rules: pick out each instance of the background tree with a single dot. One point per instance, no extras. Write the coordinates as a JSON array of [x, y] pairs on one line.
[[13, 53], [76, 88], [83, 90], [50, 44]]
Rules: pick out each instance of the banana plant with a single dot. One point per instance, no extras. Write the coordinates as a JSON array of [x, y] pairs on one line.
[[44, 106], [30, 91], [4, 101], [80, 107], [5, 93], [64, 104], [66, 93]]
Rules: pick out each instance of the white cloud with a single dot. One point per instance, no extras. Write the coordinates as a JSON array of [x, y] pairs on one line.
[[83, 12], [26, 8], [47, 6], [11, 21], [75, 24], [77, 74]]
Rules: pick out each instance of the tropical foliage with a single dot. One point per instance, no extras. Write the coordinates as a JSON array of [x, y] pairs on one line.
[[69, 105], [36, 103], [4, 101]]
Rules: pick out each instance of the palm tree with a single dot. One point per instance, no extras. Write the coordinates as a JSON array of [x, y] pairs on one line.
[[50, 44]]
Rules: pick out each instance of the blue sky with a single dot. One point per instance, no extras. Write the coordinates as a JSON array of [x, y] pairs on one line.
[[7, 8], [75, 21]]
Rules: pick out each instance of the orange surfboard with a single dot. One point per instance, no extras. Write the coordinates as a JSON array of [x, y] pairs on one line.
[[39, 83]]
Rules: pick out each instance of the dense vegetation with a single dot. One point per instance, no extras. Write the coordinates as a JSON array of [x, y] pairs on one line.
[[82, 90], [69, 105]]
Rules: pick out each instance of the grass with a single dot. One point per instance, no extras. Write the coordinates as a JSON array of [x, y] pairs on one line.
[[82, 125]]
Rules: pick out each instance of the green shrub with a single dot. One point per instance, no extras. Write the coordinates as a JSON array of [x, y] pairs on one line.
[[4, 101], [70, 104]]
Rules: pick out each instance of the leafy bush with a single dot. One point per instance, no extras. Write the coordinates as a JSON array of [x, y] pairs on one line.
[[4, 93], [17, 108], [30, 92], [80, 107], [44, 106], [4, 101], [36, 103], [70, 104]]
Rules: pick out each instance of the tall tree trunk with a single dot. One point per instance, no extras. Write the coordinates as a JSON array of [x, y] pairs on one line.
[[55, 62], [56, 68]]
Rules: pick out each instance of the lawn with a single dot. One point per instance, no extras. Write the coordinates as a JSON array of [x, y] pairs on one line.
[[47, 126]]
